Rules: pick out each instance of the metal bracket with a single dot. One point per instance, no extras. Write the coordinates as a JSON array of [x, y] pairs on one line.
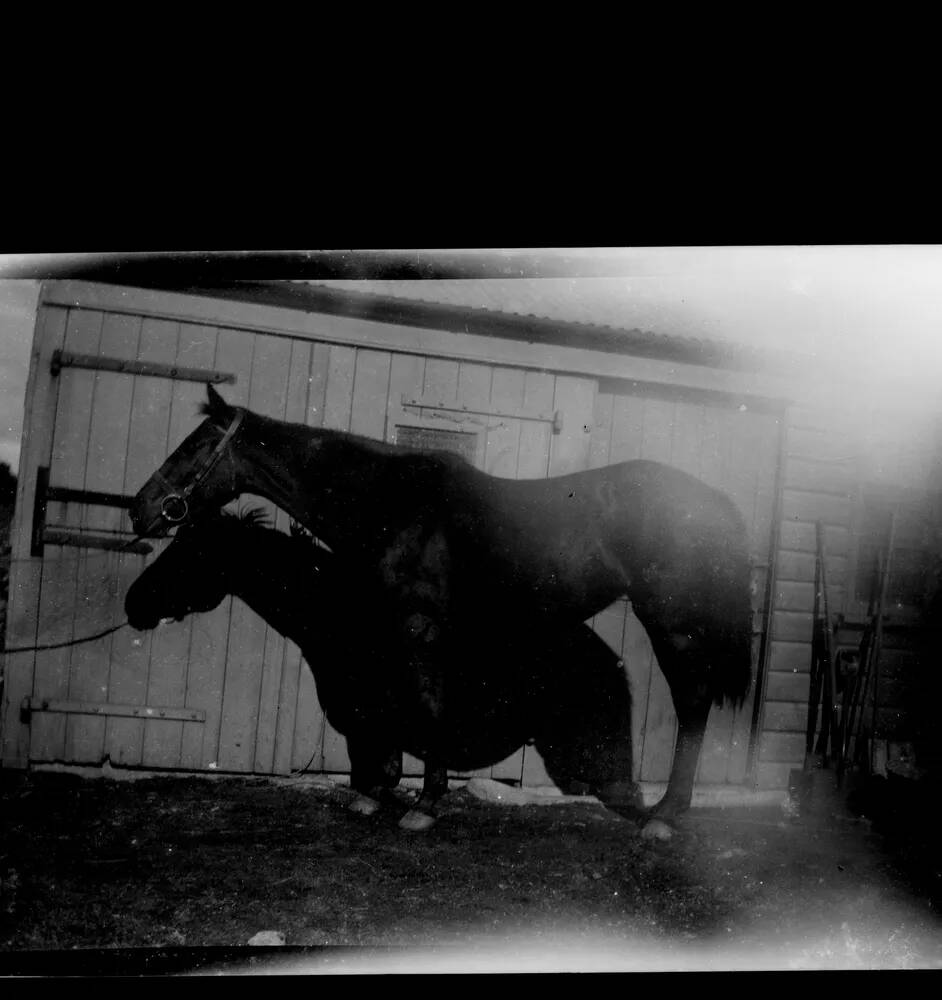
[[41, 535], [33, 704], [66, 359], [429, 402]]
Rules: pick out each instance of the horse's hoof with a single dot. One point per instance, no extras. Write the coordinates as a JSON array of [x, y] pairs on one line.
[[416, 821], [656, 829], [363, 805]]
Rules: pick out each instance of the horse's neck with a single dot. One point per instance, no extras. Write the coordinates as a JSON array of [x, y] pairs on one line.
[[321, 478], [280, 581]]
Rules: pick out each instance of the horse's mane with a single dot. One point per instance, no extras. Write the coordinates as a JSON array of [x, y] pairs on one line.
[[257, 517]]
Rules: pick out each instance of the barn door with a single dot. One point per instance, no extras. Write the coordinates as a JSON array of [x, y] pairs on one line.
[[123, 391], [734, 447], [216, 690]]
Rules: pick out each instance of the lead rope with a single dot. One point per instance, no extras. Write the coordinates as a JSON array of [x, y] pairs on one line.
[[61, 645], [164, 515], [74, 642]]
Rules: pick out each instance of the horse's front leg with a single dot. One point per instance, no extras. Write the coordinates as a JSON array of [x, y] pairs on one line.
[[434, 785], [423, 661]]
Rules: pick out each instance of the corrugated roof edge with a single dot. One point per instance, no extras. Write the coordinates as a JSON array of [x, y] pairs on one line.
[[548, 329], [428, 314]]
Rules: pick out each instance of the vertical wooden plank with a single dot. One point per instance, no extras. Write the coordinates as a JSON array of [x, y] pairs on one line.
[[338, 405], [51, 678], [503, 437], [569, 449], [714, 447], [296, 408], [198, 675], [767, 456], [474, 386], [600, 445], [660, 719], [628, 415], [535, 436], [370, 394], [658, 430], [406, 380], [250, 645], [625, 443], [23, 609], [307, 741], [317, 384], [217, 632], [147, 447], [501, 456], [61, 566], [609, 625], [641, 666], [169, 644], [338, 396], [61, 572], [686, 437], [271, 379], [627, 439], [467, 385], [746, 443], [98, 603], [129, 651], [441, 381], [533, 460], [718, 453]]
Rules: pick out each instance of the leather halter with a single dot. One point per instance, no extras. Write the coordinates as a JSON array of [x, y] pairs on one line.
[[174, 507]]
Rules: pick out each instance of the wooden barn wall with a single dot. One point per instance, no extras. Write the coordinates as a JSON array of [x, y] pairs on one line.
[[734, 448], [106, 431], [834, 453]]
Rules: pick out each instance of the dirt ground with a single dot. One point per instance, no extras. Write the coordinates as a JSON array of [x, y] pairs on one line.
[[192, 869]]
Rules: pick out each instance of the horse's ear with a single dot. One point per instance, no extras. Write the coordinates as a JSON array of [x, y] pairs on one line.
[[216, 408]]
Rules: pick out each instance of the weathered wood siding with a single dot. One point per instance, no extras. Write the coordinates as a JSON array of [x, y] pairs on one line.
[[108, 431], [733, 447], [834, 453]]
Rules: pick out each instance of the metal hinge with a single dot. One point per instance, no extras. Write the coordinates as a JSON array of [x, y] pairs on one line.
[[42, 535], [66, 359], [32, 704]]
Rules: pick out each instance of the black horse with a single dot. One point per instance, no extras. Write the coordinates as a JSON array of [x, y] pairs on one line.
[[567, 692], [443, 551]]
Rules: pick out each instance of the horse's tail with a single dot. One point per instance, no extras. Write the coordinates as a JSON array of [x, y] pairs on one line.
[[731, 669]]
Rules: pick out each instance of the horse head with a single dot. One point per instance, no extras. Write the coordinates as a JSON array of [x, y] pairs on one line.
[[190, 575], [198, 476]]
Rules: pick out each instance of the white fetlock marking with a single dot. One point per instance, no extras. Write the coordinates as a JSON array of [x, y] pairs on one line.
[[363, 805], [416, 821], [656, 829]]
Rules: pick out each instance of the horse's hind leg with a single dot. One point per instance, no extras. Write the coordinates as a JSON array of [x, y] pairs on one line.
[[598, 763], [692, 701], [586, 732]]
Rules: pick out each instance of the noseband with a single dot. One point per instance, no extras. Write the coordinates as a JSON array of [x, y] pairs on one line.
[[174, 507]]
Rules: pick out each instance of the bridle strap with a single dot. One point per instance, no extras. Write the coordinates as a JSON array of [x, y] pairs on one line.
[[216, 455], [211, 462]]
